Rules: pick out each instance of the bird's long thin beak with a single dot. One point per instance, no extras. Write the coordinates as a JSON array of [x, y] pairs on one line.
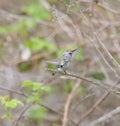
[[75, 50]]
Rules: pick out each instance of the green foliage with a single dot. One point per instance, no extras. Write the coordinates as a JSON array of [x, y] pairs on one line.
[[25, 66], [61, 51], [52, 1], [13, 103], [6, 29], [37, 11], [27, 84], [37, 86], [22, 25], [66, 1], [98, 76], [69, 86], [9, 105], [27, 24], [81, 89], [40, 44], [37, 113], [36, 91], [80, 55], [9, 29]]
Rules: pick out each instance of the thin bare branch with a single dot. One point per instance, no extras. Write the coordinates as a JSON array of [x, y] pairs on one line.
[[97, 103], [13, 91], [105, 117], [22, 113], [68, 102], [108, 9], [102, 85]]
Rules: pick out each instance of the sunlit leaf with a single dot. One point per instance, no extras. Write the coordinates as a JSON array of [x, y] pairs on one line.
[[25, 66], [27, 84], [30, 99], [38, 11], [36, 86], [37, 113], [4, 116], [46, 89], [13, 103], [40, 44]]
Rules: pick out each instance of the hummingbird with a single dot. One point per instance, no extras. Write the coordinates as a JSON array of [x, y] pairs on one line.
[[64, 63]]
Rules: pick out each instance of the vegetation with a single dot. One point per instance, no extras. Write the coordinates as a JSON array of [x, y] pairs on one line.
[[33, 32]]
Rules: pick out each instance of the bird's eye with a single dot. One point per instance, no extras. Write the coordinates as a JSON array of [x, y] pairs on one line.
[[61, 66], [70, 53]]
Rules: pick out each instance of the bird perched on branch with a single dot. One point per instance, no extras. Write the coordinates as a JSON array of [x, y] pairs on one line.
[[64, 63]]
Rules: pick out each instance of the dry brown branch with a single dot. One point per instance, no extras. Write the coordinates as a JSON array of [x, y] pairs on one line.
[[102, 98], [68, 102], [101, 54], [107, 52], [102, 85], [22, 113], [24, 95], [108, 9], [13, 91], [107, 116], [85, 115], [98, 39]]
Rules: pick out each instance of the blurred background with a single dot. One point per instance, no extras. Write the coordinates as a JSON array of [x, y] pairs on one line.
[[34, 31]]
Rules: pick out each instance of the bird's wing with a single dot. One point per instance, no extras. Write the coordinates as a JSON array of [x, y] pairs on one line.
[[54, 61]]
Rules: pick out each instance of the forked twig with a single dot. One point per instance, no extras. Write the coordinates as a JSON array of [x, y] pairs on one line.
[[102, 98]]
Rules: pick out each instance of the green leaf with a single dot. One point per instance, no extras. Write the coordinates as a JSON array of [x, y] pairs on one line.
[[36, 86], [37, 97], [35, 44], [34, 98], [46, 89], [9, 29], [25, 66], [98, 76], [40, 44], [27, 24], [27, 84], [38, 11], [4, 99], [37, 113], [52, 1], [13, 103], [51, 46], [4, 116], [81, 90], [30, 99], [68, 87]]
